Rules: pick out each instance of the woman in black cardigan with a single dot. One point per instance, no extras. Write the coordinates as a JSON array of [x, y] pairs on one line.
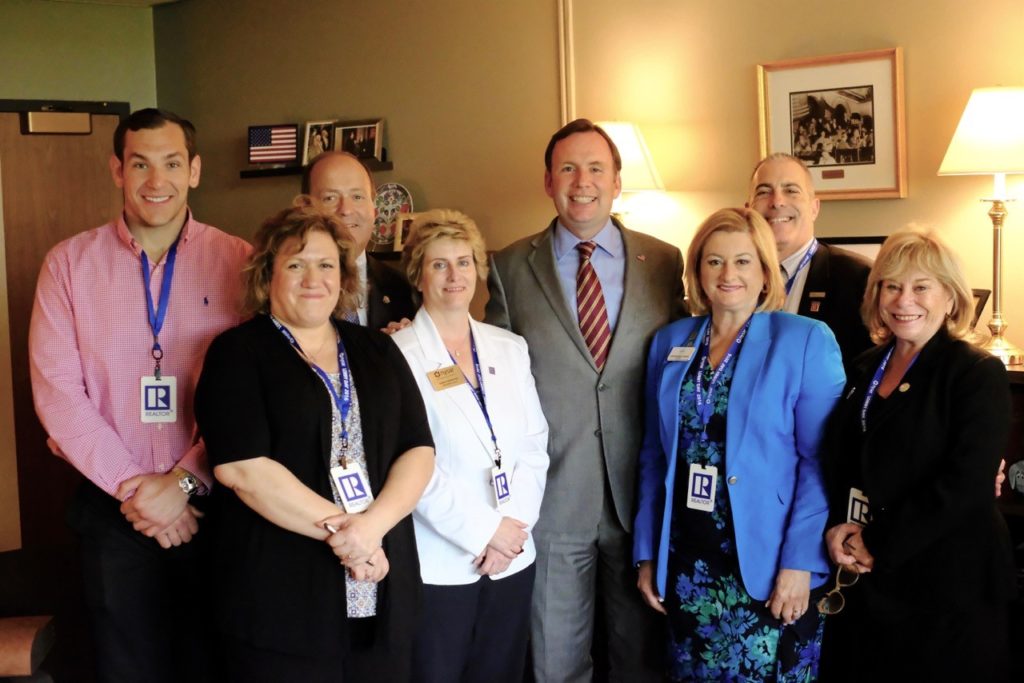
[[914, 446], [305, 591]]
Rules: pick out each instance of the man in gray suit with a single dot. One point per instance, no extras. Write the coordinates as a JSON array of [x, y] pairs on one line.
[[591, 388]]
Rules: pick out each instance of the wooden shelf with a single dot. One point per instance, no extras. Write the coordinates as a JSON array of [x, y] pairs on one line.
[[373, 164]]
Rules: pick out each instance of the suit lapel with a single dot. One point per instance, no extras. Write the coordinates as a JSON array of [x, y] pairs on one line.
[[812, 300], [672, 382], [460, 397], [542, 262], [749, 365]]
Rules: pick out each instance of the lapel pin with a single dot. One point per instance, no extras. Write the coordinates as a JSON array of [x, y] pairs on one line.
[[641, 257], [387, 299], [815, 306], [904, 387]]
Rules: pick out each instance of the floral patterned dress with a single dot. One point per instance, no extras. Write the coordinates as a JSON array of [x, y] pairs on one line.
[[717, 632]]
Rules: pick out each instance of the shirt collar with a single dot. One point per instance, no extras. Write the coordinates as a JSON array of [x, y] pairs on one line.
[[608, 239], [793, 260], [125, 235]]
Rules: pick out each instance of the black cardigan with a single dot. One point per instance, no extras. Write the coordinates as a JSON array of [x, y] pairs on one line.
[[257, 397], [927, 464]]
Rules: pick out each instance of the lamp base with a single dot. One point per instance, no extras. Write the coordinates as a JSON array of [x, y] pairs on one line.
[[1004, 350]]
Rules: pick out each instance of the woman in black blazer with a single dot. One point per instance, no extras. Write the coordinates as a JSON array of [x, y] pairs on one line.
[[914, 446], [305, 591]]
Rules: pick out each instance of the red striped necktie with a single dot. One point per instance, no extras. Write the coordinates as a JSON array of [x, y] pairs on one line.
[[590, 304]]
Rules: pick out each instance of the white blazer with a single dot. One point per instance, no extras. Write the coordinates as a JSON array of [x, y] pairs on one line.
[[457, 515]]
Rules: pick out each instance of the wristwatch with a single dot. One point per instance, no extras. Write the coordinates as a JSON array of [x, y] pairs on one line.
[[187, 481]]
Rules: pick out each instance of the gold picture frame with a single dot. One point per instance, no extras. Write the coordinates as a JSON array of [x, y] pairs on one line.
[[844, 116]]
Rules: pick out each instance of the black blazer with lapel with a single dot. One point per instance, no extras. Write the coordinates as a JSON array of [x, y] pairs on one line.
[[927, 463], [389, 296], [836, 279], [256, 397]]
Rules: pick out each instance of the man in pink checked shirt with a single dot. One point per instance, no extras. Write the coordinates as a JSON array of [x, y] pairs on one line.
[[122, 318]]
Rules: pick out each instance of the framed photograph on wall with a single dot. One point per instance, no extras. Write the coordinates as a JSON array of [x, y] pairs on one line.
[[867, 245], [843, 116], [319, 138], [365, 139]]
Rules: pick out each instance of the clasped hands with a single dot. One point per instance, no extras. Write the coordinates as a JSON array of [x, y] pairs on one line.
[[158, 508], [355, 540], [505, 545]]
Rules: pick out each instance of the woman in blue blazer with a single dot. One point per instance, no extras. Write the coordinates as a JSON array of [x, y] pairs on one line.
[[728, 533]]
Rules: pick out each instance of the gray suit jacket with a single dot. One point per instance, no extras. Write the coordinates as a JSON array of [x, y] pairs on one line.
[[595, 419]]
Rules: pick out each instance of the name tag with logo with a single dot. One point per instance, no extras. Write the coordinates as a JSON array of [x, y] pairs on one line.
[[700, 488], [158, 399], [680, 353], [859, 509], [445, 378], [501, 483], [352, 486]]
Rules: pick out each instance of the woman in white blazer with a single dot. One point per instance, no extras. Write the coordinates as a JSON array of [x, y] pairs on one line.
[[473, 523]]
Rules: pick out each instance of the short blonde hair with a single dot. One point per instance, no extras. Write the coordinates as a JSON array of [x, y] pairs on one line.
[[430, 226], [303, 217], [917, 249], [736, 220]]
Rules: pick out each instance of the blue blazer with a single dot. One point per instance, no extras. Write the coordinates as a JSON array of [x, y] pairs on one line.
[[788, 377]]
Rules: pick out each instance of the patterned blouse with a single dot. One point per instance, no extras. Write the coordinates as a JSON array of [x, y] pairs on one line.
[[361, 595]]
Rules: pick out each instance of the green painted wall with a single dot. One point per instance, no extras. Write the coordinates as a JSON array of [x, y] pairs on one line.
[[71, 51]]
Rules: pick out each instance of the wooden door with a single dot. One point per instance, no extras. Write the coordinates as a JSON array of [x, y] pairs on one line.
[[53, 186]]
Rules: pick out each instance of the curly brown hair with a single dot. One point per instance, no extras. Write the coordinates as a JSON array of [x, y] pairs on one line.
[[297, 221]]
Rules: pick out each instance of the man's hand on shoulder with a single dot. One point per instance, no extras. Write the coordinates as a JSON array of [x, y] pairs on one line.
[[152, 502]]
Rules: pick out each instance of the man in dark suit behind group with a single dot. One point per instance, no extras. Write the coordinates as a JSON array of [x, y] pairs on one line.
[[592, 395], [340, 181], [827, 285]]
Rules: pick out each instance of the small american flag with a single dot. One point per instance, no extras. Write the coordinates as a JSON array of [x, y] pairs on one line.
[[273, 143]]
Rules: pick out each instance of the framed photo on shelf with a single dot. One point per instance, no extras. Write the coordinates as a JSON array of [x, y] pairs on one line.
[[843, 116], [364, 139], [319, 138]]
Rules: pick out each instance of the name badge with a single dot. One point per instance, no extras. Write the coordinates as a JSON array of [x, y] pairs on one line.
[[501, 484], [700, 488], [445, 378], [352, 486], [816, 295], [859, 509], [158, 399], [680, 353]]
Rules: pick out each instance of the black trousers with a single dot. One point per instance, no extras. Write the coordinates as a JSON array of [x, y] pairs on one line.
[[474, 632], [149, 607]]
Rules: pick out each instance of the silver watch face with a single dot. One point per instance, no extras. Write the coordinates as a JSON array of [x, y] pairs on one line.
[[188, 484]]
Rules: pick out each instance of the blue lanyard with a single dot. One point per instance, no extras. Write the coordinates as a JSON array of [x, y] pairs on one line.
[[873, 387], [158, 314], [342, 402], [803, 264], [706, 406], [480, 397]]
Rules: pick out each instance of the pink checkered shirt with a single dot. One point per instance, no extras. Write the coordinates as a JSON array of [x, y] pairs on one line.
[[90, 342]]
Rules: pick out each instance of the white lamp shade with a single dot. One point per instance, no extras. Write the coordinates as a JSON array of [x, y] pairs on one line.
[[638, 171], [990, 136]]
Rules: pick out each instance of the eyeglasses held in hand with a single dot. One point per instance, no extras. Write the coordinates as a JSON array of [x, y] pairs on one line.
[[833, 602]]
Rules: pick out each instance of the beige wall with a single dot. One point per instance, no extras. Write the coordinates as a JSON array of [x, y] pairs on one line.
[[685, 71], [62, 51], [71, 51], [468, 91]]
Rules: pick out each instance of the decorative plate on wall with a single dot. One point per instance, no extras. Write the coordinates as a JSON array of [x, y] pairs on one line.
[[392, 199]]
